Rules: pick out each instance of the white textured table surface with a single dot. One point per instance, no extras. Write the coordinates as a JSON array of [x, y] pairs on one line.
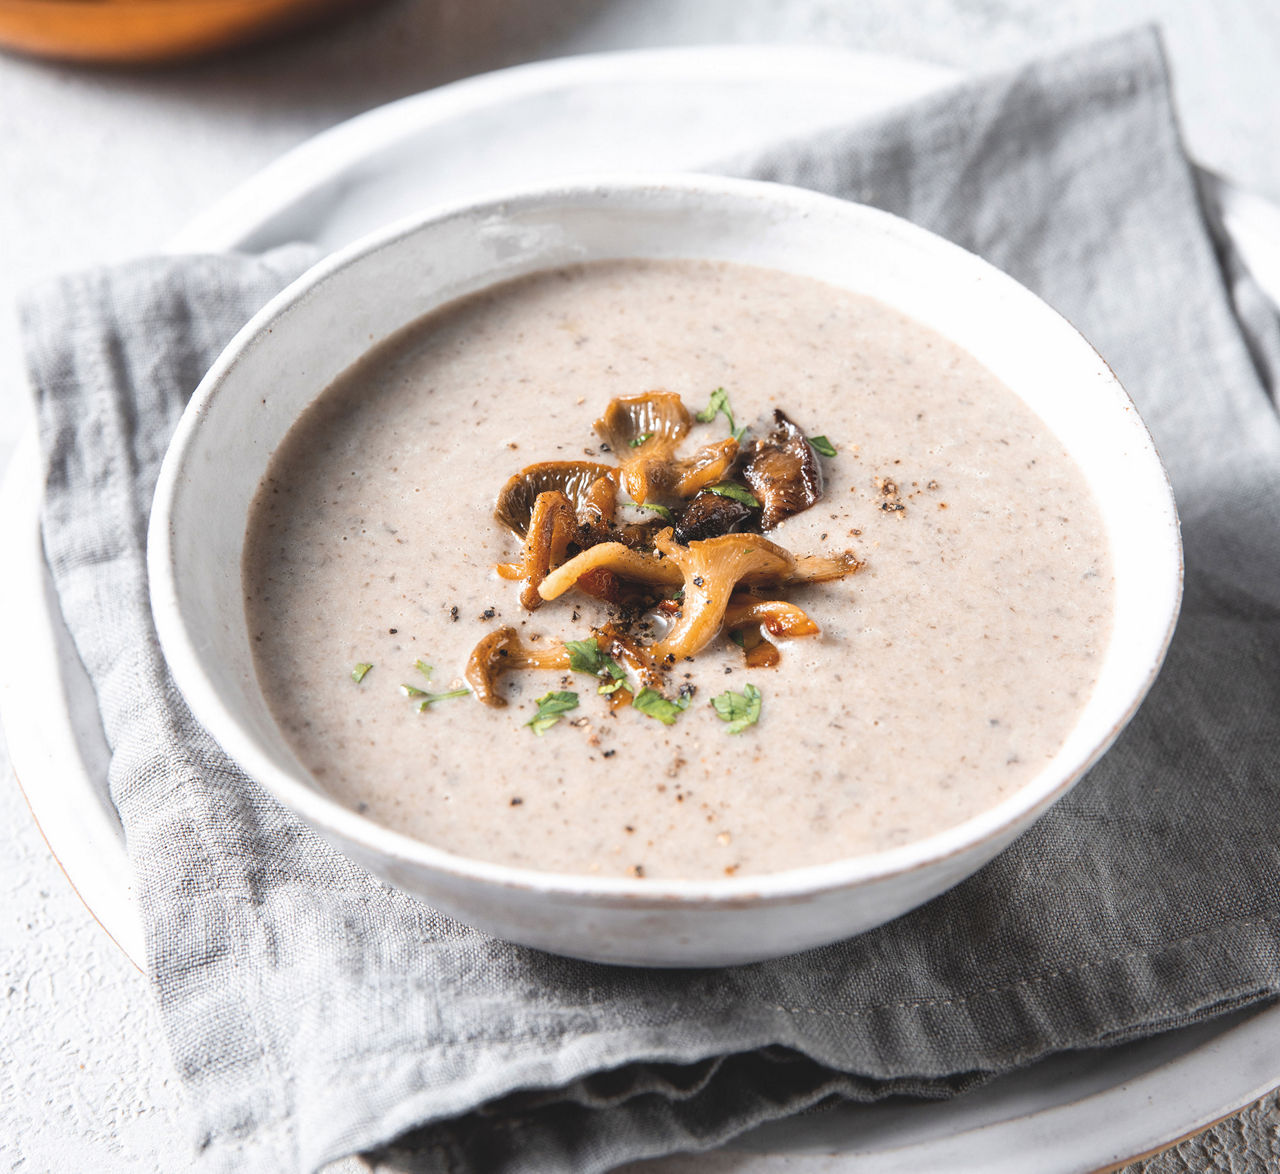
[[101, 165]]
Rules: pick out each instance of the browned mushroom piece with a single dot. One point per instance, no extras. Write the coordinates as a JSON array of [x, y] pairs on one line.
[[627, 564], [708, 516], [656, 420], [751, 618], [601, 584], [502, 650], [776, 616], [579, 481], [707, 466], [551, 528], [712, 568], [643, 431], [760, 653], [783, 472], [822, 568]]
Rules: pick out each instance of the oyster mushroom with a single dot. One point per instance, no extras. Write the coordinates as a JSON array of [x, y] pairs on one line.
[[783, 472], [657, 420], [707, 466], [590, 488], [712, 568], [822, 568], [751, 618], [503, 650], [627, 564], [551, 527], [708, 516], [644, 431], [776, 616]]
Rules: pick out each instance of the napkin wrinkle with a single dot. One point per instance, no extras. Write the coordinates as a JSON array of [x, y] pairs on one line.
[[313, 1012], [1257, 314]]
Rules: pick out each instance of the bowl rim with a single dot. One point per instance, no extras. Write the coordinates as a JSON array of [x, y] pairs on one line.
[[996, 824]]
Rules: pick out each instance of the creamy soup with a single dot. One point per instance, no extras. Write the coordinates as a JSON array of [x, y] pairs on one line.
[[948, 670]]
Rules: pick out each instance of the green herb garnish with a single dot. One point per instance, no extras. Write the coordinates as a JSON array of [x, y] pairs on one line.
[[641, 439], [550, 708], [740, 710], [718, 405], [739, 638], [361, 671], [432, 698], [822, 446], [412, 691], [652, 703], [736, 492], [585, 657], [660, 510], [423, 668]]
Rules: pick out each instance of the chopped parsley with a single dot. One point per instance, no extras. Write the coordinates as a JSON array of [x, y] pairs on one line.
[[361, 671], [585, 657], [660, 510], [718, 405], [738, 637], [822, 446], [736, 492], [740, 710], [641, 439], [550, 708], [432, 698], [422, 697], [652, 703]]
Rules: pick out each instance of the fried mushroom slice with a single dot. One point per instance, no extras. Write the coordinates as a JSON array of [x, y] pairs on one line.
[[591, 489], [644, 431], [629, 565], [712, 569], [503, 650], [708, 516], [707, 466], [776, 616], [822, 568], [656, 419], [551, 528], [783, 472], [752, 618]]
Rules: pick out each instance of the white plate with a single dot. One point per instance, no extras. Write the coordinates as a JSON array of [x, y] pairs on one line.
[[658, 110]]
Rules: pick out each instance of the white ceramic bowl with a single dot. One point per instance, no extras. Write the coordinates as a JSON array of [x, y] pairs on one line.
[[332, 315]]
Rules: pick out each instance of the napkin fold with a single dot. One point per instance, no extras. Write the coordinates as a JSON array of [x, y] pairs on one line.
[[314, 1013]]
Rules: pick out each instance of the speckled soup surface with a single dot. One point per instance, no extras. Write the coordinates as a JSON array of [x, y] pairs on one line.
[[948, 670]]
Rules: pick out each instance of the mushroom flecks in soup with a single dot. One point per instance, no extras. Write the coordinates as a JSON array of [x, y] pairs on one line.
[[557, 685]]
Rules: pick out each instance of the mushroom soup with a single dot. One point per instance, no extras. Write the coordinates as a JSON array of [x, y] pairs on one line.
[[776, 576]]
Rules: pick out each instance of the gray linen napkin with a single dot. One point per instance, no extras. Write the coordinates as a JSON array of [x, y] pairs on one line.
[[314, 1013]]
